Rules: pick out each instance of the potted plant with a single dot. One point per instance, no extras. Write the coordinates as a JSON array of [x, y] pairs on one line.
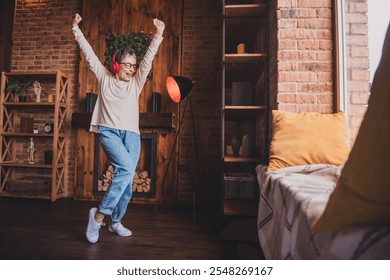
[[48, 156], [139, 42], [19, 87]]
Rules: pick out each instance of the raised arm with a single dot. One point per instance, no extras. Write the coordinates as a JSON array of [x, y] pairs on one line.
[[146, 63], [93, 61]]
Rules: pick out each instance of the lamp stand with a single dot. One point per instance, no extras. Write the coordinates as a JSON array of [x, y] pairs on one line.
[[194, 144]]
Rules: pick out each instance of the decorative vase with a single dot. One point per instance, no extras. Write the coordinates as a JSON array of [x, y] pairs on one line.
[[22, 98], [241, 48], [48, 156], [50, 98], [235, 146], [246, 146]]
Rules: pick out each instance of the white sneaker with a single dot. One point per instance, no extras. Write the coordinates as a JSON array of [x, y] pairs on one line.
[[119, 229], [93, 227]]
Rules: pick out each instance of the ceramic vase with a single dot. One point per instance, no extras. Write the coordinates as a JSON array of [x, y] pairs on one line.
[[246, 146], [235, 146]]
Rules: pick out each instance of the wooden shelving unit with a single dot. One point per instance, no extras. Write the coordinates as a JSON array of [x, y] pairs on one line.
[[244, 23], [13, 165]]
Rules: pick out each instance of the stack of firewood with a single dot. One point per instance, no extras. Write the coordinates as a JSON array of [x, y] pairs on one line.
[[105, 179], [141, 181]]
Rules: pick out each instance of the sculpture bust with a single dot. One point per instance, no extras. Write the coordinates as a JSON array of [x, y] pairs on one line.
[[37, 90], [30, 150]]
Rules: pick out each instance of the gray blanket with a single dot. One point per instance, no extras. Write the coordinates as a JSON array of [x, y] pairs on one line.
[[291, 200]]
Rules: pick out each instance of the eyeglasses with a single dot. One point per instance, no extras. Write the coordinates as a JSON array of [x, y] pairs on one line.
[[128, 65]]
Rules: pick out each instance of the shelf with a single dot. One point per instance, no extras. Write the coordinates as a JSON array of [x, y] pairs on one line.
[[146, 120], [232, 159], [36, 75], [19, 134], [27, 165], [245, 10], [13, 143], [35, 105], [245, 58], [240, 207], [243, 113]]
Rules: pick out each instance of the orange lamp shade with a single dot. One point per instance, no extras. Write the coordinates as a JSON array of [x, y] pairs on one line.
[[178, 87]]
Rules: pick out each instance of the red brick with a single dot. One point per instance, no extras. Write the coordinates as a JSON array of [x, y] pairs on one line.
[[287, 45], [287, 98], [296, 13], [360, 29], [362, 75], [288, 23], [287, 3], [309, 98], [325, 77], [287, 66], [325, 109], [359, 51], [324, 55], [360, 98], [326, 98], [358, 86], [288, 107], [287, 87], [315, 3], [357, 7], [315, 87], [308, 45], [324, 13], [326, 45], [357, 110], [356, 18], [360, 62]]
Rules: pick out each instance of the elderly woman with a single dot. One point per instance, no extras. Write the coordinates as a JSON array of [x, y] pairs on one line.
[[116, 120]]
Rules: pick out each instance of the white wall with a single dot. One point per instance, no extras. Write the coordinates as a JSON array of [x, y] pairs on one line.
[[378, 22]]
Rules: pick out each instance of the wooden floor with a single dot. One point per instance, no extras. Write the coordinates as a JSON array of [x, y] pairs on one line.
[[39, 229]]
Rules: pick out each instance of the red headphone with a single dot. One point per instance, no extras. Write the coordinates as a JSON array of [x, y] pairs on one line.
[[115, 65]]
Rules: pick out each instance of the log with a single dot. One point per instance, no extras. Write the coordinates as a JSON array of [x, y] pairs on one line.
[[143, 174]]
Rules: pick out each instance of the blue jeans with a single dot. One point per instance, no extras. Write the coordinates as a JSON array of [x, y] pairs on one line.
[[123, 149]]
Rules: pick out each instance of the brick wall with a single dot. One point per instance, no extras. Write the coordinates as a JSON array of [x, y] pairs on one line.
[[43, 41], [304, 56], [201, 61], [357, 53]]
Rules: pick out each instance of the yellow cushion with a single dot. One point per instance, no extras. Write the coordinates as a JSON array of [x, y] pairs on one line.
[[308, 138], [362, 194]]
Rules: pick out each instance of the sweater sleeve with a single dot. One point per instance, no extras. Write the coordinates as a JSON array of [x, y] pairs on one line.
[[93, 61], [146, 63]]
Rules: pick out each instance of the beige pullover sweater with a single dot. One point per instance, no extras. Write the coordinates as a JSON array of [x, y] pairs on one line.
[[117, 103]]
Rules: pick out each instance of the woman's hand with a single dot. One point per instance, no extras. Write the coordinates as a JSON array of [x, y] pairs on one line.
[[160, 26], [76, 19]]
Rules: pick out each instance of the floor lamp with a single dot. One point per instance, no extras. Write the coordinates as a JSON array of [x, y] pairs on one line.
[[179, 89]]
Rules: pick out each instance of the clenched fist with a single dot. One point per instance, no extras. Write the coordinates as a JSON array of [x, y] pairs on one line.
[[160, 26], [76, 19]]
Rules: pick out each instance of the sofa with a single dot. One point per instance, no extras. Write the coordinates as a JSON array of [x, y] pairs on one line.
[[320, 198]]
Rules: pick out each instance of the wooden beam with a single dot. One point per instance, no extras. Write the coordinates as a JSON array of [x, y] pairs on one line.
[[146, 120]]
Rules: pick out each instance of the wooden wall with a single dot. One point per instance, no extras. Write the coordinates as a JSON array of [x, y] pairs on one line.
[[115, 16]]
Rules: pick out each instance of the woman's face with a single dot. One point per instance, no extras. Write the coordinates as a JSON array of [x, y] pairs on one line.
[[127, 68]]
